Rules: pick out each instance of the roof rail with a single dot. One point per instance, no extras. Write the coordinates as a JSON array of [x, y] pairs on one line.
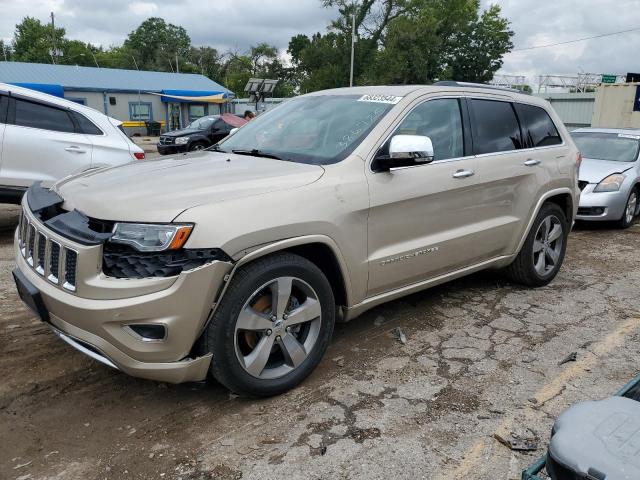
[[452, 83]]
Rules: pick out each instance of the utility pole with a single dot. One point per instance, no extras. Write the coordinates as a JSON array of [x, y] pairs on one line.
[[53, 38], [94, 58], [177, 67], [353, 42]]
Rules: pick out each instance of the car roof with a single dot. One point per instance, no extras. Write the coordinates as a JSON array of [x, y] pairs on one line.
[[404, 90], [51, 99], [631, 131]]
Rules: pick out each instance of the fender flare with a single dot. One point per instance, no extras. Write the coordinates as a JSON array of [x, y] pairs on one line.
[[259, 251], [544, 198]]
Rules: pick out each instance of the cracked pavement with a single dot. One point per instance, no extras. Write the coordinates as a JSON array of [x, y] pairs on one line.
[[481, 359]]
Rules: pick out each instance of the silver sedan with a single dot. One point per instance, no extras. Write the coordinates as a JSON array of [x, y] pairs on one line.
[[609, 175]]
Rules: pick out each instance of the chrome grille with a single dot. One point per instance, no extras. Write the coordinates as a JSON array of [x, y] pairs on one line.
[[46, 256], [166, 141]]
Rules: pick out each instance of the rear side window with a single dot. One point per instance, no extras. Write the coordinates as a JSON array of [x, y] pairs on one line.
[[4, 103], [37, 115], [538, 129], [85, 125], [495, 126]]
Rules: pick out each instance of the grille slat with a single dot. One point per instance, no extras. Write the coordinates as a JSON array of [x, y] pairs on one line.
[[41, 250], [31, 239], [70, 265], [54, 262]]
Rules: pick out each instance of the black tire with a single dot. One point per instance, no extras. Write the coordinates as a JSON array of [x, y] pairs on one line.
[[625, 221], [523, 269], [220, 335], [195, 146]]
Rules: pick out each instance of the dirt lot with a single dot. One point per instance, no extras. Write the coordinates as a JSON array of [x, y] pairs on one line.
[[481, 357]]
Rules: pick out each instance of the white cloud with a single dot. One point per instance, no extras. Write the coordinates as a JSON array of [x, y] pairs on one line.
[[143, 8]]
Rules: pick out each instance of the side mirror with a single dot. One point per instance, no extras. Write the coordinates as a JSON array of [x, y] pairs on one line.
[[233, 130], [405, 151]]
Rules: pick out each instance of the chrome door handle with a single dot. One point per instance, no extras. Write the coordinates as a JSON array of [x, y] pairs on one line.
[[463, 173], [75, 149], [532, 162]]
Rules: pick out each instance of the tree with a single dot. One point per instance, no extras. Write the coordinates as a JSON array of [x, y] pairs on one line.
[[33, 41], [403, 41], [477, 50], [155, 44]]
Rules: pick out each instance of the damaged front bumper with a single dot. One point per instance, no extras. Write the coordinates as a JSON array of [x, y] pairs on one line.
[[96, 316]]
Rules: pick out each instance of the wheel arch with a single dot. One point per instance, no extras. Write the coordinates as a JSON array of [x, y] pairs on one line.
[[320, 250], [198, 139], [563, 197]]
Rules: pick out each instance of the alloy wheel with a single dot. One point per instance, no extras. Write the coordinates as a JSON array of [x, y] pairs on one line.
[[547, 245], [630, 211], [277, 328]]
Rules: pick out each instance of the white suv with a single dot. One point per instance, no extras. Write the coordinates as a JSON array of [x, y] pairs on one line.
[[45, 138]]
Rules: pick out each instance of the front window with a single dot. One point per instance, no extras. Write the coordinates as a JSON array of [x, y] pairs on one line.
[[202, 123], [319, 129], [618, 147]]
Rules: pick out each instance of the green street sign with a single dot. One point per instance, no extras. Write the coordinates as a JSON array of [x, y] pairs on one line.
[[606, 78]]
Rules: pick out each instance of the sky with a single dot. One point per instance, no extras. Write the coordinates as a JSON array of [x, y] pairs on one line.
[[238, 24]]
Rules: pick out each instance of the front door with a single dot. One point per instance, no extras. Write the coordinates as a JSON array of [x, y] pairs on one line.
[[427, 220], [41, 143]]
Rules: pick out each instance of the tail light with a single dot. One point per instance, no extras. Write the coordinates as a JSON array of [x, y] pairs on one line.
[[138, 155], [578, 159]]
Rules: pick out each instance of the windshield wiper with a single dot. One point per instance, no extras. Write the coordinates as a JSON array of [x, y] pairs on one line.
[[216, 148], [256, 153]]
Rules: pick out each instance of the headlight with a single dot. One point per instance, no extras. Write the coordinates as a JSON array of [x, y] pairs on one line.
[[610, 184], [151, 238], [182, 140]]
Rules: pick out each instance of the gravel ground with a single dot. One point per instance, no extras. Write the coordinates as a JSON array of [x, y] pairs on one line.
[[481, 358]]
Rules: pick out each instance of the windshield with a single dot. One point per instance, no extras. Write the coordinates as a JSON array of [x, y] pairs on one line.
[[319, 129], [202, 123], [618, 147]]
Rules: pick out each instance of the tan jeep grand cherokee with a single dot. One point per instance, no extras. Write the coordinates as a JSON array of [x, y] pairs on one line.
[[237, 261]]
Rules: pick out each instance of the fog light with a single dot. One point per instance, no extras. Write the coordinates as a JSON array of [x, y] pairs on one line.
[[149, 332], [598, 211]]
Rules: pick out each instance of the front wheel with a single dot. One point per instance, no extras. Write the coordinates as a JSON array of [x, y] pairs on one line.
[[629, 210], [197, 146], [272, 327], [542, 254]]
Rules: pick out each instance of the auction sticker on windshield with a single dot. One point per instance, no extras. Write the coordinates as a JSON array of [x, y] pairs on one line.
[[392, 99]]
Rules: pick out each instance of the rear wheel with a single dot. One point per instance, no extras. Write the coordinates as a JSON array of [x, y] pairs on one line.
[[272, 327], [629, 210], [543, 251]]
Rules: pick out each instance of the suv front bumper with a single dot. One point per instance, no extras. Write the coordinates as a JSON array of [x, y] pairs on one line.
[[100, 324]]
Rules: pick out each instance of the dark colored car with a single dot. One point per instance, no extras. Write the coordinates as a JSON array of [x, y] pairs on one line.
[[198, 135]]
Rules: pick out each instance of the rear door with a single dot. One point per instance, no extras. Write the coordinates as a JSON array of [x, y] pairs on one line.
[[509, 185], [516, 149], [41, 142], [110, 147]]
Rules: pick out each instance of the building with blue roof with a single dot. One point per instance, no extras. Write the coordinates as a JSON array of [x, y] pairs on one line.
[[132, 96]]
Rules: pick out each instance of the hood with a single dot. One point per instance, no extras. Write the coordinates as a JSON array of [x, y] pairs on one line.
[[159, 190], [182, 132], [594, 171]]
